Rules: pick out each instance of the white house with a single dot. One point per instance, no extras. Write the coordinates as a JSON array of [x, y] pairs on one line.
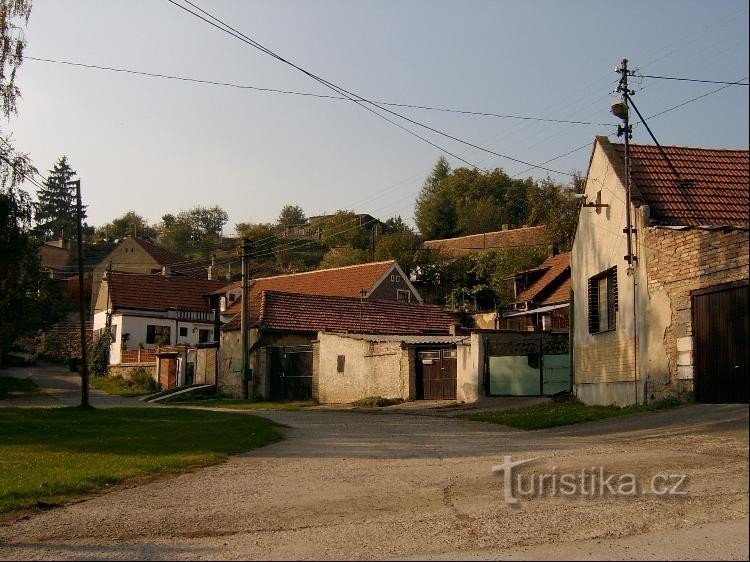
[[146, 311]]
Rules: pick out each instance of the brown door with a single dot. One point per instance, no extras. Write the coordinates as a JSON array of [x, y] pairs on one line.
[[720, 344], [436, 374], [171, 373]]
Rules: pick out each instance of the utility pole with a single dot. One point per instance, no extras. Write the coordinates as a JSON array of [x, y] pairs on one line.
[[244, 319], [621, 110], [81, 301]]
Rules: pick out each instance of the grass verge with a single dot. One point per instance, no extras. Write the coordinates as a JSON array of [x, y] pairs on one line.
[[563, 413], [245, 404], [48, 456], [118, 386], [11, 387]]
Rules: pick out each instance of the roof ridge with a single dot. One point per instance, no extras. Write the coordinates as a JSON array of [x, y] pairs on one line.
[[322, 270], [684, 147], [484, 233]]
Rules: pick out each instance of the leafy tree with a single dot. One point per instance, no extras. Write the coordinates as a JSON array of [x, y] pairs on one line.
[[396, 224], [343, 228], [343, 256], [291, 214], [56, 214], [14, 14], [129, 224], [432, 220], [194, 232], [555, 206], [399, 246]]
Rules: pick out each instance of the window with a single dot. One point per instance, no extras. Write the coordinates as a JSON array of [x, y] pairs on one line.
[[393, 278], [183, 331], [603, 302], [158, 334], [113, 327], [340, 363], [398, 279], [204, 336], [403, 296]]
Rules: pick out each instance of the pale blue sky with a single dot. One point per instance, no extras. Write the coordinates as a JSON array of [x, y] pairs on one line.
[[157, 146]]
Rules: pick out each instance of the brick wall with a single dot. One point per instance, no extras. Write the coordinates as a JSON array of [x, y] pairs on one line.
[[679, 262]]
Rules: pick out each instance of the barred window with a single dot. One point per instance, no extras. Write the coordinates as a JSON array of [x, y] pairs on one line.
[[603, 302]]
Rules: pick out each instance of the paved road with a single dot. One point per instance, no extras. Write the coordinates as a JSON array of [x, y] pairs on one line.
[[357, 485], [60, 387]]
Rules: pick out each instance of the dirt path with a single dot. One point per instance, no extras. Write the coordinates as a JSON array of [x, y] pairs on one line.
[[348, 484]]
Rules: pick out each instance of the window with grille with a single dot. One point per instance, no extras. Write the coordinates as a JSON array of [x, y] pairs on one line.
[[603, 302]]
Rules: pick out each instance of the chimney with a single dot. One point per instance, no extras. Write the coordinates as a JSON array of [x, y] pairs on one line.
[[505, 227], [165, 271], [211, 269], [554, 249]]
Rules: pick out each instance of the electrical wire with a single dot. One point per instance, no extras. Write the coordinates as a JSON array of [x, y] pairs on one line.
[[359, 100], [739, 83]]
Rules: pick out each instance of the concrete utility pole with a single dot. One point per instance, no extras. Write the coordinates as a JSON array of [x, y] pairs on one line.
[[81, 301], [244, 319], [622, 111]]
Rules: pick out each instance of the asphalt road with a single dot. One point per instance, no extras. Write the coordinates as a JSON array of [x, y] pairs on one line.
[[358, 485]]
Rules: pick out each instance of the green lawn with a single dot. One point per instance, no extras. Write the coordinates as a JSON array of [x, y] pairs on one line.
[[118, 386], [245, 404], [11, 387], [563, 413], [49, 455]]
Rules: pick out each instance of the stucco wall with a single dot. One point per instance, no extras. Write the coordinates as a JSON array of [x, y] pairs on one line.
[[609, 357], [680, 261], [470, 369], [370, 369], [128, 256]]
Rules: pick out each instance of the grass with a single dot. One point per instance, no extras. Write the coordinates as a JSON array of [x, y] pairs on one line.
[[246, 404], [119, 386], [377, 402], [50, 455], [562, 413], [11, 387]]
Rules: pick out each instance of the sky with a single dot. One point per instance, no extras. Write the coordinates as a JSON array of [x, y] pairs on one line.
[[159, 146]]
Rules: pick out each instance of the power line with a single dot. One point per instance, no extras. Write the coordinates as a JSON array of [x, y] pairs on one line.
[[690, 101], [348, 94], [313, 95], [738, 83]]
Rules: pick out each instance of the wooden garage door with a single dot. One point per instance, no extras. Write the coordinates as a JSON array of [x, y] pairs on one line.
[[720, 332], [436, 375]]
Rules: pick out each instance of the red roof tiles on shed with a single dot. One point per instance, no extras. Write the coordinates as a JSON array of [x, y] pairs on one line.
[[295, 312], [338, 281], [513, 238], [716, 189], [156, 292]]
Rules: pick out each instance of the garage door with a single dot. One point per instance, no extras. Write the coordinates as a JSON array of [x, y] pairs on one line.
[[720, 332]]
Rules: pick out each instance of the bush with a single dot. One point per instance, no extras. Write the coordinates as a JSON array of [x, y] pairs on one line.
[[99, 360], [377, 402], [142, 378]]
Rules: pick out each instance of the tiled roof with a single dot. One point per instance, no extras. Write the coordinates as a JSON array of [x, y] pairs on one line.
[[716, 189], [160, 253], [338, 281], [553, 285], [295, 312], [513, 238], [157, 292]]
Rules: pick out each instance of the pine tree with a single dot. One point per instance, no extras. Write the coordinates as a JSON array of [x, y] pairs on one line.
[[55, 213]]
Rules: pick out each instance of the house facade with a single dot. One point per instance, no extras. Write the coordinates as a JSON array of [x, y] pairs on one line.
[[284, 327], [675, 320], [146, 312]]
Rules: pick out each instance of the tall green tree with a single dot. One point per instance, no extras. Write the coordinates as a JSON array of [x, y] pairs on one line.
[[291, 215], [55, 213], [195, 232], [434, 220], [129, 224]]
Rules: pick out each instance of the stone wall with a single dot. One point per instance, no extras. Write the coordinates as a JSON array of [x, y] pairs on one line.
[[125, 370], [680, 261]]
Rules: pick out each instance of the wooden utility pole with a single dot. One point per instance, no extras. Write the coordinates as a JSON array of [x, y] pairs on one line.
[[244, 319], [81, 301]]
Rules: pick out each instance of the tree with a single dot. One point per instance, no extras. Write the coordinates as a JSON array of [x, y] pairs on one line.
[[343, 256], [291, 215], [424, 210], [194, 232], [55, 213], [13, 15], [343, 228], [129, 224], [555, 206]]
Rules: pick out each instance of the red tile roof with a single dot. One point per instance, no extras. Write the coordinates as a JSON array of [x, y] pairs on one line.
[[716, 190], [156, 292], [513, 238], [338, 281], [295, 312], [553, 285]]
